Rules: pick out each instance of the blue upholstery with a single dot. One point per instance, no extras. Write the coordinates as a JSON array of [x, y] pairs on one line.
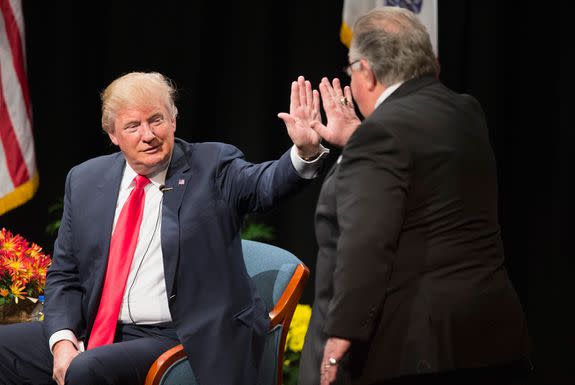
[[271, 269], [180, 373]]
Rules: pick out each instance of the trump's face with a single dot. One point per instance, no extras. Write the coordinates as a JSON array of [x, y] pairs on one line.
[[146, 137]]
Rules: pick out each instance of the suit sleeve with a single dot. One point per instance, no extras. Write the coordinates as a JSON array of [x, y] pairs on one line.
[[256, 187], [63, 290], [371, 198]]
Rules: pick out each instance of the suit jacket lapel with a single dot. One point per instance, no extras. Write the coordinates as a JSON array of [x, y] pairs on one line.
[[177, 180], [108, 190], [106, 197]]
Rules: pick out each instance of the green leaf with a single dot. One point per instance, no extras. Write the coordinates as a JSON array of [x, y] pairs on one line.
[[258, 231], [53, 227], [55, 209]]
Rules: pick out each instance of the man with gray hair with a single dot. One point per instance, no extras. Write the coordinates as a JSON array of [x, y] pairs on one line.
[[411, 286]]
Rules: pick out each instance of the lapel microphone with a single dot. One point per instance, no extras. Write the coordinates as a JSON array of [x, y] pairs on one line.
[[163, 188]]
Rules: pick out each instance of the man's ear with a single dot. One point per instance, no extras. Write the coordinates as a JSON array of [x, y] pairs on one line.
[[113, 137], [369, 76]]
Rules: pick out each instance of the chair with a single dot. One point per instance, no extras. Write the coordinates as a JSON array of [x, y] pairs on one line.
[[279, 278]]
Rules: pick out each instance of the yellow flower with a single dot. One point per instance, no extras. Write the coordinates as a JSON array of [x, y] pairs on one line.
[[298, 328], [296, 342], [4, 292], [301, 316]]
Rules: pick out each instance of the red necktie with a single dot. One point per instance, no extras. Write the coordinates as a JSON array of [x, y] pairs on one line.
[[122, 247]]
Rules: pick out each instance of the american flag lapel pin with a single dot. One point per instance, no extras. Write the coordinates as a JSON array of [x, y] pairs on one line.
[[181, 182]]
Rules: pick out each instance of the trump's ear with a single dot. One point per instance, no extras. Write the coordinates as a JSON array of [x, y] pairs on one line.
[[113, 138]]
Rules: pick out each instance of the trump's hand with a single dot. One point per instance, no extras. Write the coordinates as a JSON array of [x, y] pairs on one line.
[[64, 352], [334, 350], [342, 121], [303, 111]]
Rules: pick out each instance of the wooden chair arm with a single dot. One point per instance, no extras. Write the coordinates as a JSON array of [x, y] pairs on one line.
[[163, 362], [293, 290]]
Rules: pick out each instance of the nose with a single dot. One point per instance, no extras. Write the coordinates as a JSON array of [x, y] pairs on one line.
[[147, 133]]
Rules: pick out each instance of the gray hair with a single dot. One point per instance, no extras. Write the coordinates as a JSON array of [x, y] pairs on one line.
[[136, 89], [395, 44]]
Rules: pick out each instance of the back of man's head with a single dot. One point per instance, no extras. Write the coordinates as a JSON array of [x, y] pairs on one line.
[[395, 44]]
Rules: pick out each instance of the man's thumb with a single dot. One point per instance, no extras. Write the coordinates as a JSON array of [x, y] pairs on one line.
[[321, 129], [286, 118]]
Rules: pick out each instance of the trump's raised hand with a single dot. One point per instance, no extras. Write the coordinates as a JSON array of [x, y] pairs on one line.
[[304, 111]]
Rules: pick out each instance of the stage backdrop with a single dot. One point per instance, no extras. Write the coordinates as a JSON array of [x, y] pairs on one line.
[[233, 63]]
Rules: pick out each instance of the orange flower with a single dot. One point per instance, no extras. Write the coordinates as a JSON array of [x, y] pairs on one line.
[[16, 289], [15, 265], [23, 267], [12, 243], [34, 252]]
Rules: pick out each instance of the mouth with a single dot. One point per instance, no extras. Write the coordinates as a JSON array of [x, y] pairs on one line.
[[152, 150]]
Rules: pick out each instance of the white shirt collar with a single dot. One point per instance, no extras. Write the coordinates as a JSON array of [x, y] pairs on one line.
[[157, 179], [385, 94]]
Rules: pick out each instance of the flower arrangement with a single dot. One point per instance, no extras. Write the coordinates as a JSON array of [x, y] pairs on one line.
[[294, 343], [23, 269]]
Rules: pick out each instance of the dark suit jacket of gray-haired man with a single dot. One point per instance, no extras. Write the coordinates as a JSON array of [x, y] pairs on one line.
[[411, 285]]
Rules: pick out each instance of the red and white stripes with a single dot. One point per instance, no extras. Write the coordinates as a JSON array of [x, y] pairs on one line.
[[18, 173]]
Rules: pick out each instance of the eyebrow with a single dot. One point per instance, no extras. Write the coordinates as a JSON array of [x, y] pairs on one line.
[[156, 115], [135, 121]]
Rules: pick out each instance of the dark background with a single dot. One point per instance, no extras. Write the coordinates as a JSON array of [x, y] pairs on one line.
[[233, 64]]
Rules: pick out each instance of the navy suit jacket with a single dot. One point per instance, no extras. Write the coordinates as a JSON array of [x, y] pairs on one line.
[[216, 311]]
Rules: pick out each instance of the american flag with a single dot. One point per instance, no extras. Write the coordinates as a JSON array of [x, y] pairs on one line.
[[426, 10], [18, 172]]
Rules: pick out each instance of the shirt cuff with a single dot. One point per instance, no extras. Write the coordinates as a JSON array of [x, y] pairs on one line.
[[307, 169], [65, 334]]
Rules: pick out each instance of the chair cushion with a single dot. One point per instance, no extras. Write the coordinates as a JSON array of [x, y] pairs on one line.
[[180, 373], [271, 269]]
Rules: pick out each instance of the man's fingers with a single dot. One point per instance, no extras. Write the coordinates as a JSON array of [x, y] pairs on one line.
[[337, 86], [326, 96], [294, 97], [308, 93], [328, 375], [302, 94], [59, 376], [347, 94], [328, 87], [316, 102]]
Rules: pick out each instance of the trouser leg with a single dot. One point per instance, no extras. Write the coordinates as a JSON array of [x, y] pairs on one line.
[[122, 363], [25, 357]]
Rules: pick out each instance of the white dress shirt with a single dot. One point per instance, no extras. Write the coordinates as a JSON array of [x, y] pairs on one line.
[[385, 94], [145, 300]]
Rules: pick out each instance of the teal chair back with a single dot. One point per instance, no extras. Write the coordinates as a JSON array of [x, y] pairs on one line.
[[279, 277]]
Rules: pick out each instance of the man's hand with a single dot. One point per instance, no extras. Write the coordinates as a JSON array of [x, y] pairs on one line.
[[64, 352], [342, 121], [303, 111], [334, 350]]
